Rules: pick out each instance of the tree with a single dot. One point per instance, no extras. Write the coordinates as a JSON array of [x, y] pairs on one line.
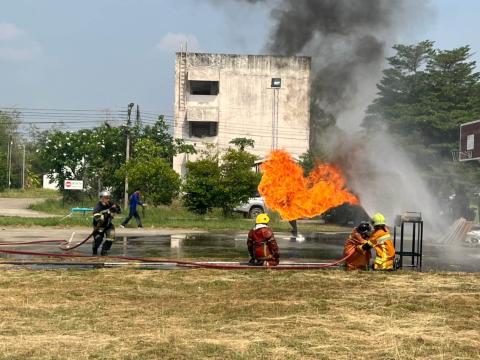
[[238, 182], [202, 184], [224, 183], [160, 134], [423, 97], [242, 143], [151, 173]]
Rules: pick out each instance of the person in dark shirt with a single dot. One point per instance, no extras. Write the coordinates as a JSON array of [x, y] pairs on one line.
[[103, 227], [134, 202]]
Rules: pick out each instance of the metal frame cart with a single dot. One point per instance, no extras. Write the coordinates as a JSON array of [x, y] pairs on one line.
[[404, 221]]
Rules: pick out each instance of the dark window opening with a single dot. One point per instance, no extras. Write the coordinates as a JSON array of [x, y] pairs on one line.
[[203, 87], [203, 128]]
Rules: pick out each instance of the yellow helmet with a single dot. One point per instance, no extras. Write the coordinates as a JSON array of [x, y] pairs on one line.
[[262, 219], [378, 219]]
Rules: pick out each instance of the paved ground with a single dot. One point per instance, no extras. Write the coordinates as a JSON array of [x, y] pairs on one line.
[[19, 207], [48, 233]]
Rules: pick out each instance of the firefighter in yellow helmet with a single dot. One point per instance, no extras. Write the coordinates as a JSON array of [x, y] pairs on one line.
[[381, 241], [261, 243]]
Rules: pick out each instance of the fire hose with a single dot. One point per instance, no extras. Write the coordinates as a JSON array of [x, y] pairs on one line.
[[65, 245]]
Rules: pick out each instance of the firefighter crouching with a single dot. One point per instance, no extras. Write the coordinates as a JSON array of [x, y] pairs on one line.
[[262, 246], [103, 227], [381, 241], [360, 259]]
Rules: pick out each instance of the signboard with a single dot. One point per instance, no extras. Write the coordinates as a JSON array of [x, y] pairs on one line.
[[73, 185], [469, 148]]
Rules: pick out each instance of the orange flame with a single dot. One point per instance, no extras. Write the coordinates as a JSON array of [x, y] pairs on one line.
[[287, 191]]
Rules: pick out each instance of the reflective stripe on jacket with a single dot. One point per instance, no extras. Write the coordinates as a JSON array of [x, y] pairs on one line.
[[381, 241]]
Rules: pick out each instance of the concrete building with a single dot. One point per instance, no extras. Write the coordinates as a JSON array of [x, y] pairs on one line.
[[219, 97]]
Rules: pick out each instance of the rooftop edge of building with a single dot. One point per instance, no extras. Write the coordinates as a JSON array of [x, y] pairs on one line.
[[219, 59]]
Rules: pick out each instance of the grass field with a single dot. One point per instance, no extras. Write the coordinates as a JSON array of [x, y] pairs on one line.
[[30, 193], [173, 216], [198, 314]]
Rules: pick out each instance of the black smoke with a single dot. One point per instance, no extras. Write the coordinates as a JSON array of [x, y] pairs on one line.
[[347, 40]]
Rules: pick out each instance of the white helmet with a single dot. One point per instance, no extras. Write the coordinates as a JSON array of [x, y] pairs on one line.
[[105, 193]]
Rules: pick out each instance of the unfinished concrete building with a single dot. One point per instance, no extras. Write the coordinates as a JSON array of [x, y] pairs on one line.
[[219, 97]]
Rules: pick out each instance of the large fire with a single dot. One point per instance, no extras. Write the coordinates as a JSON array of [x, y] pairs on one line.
[[287, 191]]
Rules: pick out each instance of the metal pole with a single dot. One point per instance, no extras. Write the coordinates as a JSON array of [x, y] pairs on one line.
[[10, 163], [23, 169], [127, 154]]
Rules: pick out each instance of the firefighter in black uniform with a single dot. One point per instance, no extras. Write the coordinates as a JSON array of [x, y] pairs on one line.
[[103, 227]]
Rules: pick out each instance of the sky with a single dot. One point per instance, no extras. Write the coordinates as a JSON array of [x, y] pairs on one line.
[[98, 54]]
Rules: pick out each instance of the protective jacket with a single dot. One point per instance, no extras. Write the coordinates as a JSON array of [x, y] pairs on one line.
[[262, 246], [102, 216], [360, 260], [381, 241], [103, 226]]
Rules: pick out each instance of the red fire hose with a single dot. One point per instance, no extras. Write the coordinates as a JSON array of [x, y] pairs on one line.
[[64, 245]]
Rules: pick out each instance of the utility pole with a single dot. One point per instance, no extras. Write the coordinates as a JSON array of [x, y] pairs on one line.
[[10, 143], [127, 152], [23, 168]]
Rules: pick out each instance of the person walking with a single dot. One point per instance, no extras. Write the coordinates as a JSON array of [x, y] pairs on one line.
[[134, 202]]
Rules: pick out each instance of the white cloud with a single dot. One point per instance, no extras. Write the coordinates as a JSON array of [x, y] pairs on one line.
[[172, 42], [16, 45], [9, 32]]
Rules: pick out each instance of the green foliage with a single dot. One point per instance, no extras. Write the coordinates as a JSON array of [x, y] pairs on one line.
[[96, 155], [241, 143], [424, 96], [9, 134], [168, 146], [309, 159], [202, 184], [151, 173], [224, 183], [238, 181]]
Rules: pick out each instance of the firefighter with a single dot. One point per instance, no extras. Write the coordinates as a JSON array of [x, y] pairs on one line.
[[103, 227], [261, 243], [360, 260], [381, 241]]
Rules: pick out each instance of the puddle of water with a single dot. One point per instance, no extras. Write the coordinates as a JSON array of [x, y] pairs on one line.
[[313, 247]]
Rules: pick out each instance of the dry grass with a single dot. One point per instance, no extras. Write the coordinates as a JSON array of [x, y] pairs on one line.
[[197, 314]]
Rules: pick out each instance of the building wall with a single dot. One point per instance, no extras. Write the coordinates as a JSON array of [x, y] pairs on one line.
[[246, 104]]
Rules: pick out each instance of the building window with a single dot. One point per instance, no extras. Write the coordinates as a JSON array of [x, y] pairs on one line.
[[203, 87], [203, 128]]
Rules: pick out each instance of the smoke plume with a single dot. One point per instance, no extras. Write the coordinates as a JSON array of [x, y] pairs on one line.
[[348, 41]]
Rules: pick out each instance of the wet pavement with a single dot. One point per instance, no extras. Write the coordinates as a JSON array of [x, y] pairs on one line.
[[312, 247]]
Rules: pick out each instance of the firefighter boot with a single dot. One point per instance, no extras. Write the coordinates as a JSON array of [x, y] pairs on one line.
[[105, 247], [97, 240]]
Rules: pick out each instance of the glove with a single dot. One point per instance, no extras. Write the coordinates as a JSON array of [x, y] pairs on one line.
[[366, 246]]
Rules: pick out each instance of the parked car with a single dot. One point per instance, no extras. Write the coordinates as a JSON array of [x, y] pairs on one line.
[[253, 207]]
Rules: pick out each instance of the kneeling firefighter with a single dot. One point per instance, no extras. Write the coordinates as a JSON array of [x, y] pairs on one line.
[[103, 227], [360, 259], [261, 243], [381, 241]]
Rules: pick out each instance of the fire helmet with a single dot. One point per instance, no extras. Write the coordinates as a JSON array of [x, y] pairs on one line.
[[364, 228], [262, 219], [105, 193], [378, 219]]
